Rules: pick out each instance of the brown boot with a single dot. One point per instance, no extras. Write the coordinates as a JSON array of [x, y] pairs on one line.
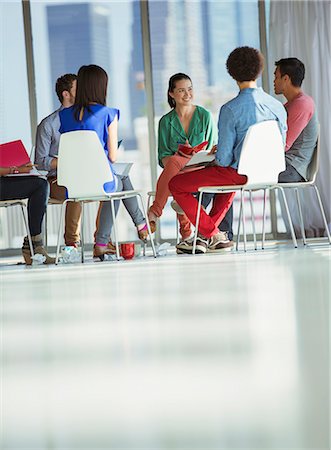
[[38, 247]]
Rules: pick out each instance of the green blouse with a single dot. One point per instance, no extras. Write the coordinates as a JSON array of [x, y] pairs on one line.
[[171, 132]]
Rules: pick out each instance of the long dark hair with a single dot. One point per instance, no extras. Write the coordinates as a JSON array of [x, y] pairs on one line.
[[92, 84], [172, 84]]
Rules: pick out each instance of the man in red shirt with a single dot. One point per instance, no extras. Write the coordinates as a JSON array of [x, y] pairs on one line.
[[302, 124]]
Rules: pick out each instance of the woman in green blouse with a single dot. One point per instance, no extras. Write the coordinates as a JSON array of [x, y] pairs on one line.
[[186, 124]]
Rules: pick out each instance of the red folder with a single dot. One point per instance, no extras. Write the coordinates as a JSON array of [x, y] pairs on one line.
[[13, 154], [189, 150]]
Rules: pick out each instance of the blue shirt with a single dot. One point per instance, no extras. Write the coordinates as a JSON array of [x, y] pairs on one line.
[[252, 105], [97, 120]]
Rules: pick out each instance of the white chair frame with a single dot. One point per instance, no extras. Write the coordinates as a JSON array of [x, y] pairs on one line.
[[270, 132], [312, 173], [152, 194], [86, 185], [23, 205]]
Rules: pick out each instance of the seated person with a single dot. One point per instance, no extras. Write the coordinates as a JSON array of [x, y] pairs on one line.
[[252, 105], [186, 124], [91, 113], [35, 189], [302, 124], [47, 147]]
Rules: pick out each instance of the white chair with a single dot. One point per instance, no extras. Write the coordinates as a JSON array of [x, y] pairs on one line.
[[312, 173], [22, 204], [83, 169], [262, 159]]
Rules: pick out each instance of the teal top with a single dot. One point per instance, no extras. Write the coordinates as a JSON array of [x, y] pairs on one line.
[[171, 132]]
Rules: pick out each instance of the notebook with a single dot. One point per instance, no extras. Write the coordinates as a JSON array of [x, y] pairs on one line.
[[13, 154], [201, 158]]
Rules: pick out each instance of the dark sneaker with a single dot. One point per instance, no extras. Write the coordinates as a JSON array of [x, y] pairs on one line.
[[220, 242], [187, 246]]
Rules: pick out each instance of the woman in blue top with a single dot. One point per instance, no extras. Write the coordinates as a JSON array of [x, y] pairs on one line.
[[91, 113]]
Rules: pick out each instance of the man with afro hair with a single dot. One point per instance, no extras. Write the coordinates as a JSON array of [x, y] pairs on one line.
[[252, 105]]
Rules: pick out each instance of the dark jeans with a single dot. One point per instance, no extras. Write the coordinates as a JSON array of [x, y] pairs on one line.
[[290, 175], [35, 190], [226, 224]]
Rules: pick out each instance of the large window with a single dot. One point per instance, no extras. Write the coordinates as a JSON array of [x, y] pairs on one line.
[[70, 34], [196, 38], [14, 104]]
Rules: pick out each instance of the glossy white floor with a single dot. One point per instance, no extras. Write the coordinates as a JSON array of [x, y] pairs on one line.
[[208, 352]]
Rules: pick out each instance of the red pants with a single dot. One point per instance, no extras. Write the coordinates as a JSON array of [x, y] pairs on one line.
[[174, 165], [182, 188]]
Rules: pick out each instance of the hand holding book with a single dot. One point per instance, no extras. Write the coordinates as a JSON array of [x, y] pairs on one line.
[[187, 150]]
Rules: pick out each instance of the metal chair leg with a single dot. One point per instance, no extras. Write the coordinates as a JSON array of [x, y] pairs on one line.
[[288, 217], [115, 228], [243, 218], [82, 232], [26, 224], [59, 231], [322, 212], [264, 216], [197, 223], [148, 228], [253, 219], [303, 234], [239, 224]]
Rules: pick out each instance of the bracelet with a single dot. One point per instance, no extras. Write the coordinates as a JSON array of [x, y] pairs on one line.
[[13, 169]]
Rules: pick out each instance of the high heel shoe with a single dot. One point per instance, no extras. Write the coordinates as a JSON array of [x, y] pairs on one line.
[[152, 218], [143, 233], [99, 251], [38, 247]]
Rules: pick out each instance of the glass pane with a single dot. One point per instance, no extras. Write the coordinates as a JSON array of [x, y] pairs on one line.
[[196, 38], [70, 34], [14, 105]]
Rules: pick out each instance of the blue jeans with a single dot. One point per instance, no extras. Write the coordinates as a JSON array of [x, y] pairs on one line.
[[103, 233], [33, 188]]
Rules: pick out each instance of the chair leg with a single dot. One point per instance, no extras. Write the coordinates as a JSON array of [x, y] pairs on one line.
[[115, 228], [82, 232], [148, 228], [26, 224], [59, 231], [303, 234], [288, 217], [45, 230], [197, 223], [253, 219], [239, 224], [243, 218], [322, 212], [263, 216]]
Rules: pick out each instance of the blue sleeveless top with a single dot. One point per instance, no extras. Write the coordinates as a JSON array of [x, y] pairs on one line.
[[97, 120]]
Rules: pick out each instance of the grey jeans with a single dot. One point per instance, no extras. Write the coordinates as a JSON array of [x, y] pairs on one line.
[[290, 175], [131, 204]]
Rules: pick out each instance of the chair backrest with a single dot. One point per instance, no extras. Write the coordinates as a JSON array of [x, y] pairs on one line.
[[263, 155], [83, 167], [315, 161]]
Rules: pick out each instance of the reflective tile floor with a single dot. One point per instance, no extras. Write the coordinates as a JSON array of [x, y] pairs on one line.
[[226, 351]]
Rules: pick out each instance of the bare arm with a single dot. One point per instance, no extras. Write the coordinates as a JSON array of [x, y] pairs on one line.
[[112, 140]]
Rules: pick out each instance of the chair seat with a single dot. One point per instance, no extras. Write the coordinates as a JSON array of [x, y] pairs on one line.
[[6, 203]]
